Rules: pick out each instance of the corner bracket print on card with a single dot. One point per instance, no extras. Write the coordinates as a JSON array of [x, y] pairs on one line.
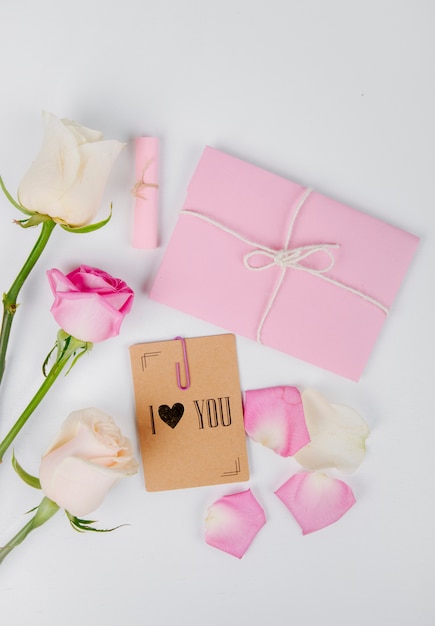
[[189, 412]]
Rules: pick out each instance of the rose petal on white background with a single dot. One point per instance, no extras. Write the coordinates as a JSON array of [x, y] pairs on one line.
[[315, 500], [67, 179], [93, 315], [338, 434], [54, 169], [80, 203], [83, 134], [76, 484], [274, 417], [233, 522], [88, 455], [87, 317], [93, 436]]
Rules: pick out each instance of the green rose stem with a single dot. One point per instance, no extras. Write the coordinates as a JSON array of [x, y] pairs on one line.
[[44, 512], [10, 298], [67, 347]]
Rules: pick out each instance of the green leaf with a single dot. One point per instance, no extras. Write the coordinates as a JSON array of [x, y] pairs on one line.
[[33, 481], [67, 347], [45, 510], [12, 201], [83, 351], [47, 359], [89, 228], [84, 525], [35, 508], [34, 220]]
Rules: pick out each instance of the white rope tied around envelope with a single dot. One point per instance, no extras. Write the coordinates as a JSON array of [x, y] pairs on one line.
[[287, 258]]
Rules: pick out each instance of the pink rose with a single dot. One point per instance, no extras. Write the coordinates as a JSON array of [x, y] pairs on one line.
[[89, 304]]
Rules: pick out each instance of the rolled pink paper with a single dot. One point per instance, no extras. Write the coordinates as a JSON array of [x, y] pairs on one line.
[[145, 191]]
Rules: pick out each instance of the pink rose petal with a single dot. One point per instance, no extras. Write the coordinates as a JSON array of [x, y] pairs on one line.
[[315, 499], [233, 521], [89, 304], [275, 418]]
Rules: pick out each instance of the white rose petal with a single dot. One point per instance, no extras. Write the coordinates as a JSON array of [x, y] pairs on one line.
[[80, 202], [77, 485], [67, 179], [86, 458], [53, 171], [337, 432]]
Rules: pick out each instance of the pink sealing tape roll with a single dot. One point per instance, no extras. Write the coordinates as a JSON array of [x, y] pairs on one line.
[[145, 192]]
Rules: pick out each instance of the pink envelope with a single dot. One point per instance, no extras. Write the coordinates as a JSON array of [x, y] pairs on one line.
[[263, 257]]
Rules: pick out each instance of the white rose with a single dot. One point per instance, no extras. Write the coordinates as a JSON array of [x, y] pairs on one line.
[[87, 457], [67, 179]]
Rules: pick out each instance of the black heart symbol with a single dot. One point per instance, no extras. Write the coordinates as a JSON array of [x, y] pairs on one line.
[[171, 417]]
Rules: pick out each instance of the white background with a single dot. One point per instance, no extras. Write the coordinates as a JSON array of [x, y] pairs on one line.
[[338, 95]]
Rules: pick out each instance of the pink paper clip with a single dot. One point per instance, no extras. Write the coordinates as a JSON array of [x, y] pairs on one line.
[[186, 367], [145, 192]]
